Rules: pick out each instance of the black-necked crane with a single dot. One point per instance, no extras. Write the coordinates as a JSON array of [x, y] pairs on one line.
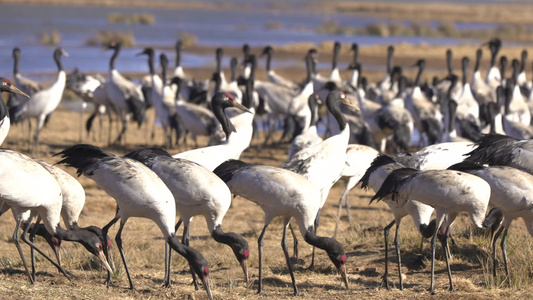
[[450, 130], [502, 150], [273, 76], [503, 69], [163, 98], [197, 191], [358, 159], [280, 192], [323, 163], [44, 102], [478, 92], [243, 121], [354, 78], [5, 122], [393, 121], [521, 79], [334, 74], [427, 117], [386, 83], [511, 192], [467, 113], [494, 77], [374, 177], [191, 89], [44, 200], [125, 96], [231, 87], [212, 156], [448, 192], [178, 69], [139, 192], [298, 106], [516, 108], [318, 80], [509, 123], [91, 89], [223, 84], [197, 119], [246, 68], [467, 127], [444, 85], [310, 135], [25, 84], [73, 201]]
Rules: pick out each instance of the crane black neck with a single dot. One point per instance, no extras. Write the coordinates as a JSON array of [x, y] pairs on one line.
[[336, 50], [419, 74], [113, 57], [57, 59], [164, 65], [178, 54], [218, 111], [465, 69], [268, 60], [16, 58], [449, 62], [333, 108], [355, 49], [236, 242]]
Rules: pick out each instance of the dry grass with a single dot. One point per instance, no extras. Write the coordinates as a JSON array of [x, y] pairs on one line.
[[455, 12], [363, 241], [103, 38], [146, 19], [144, 247], [53, 38]]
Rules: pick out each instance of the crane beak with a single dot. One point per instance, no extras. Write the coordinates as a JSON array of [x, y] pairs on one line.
[[342, 270], [347, 102], [244, 267], [240, 106], [103, 259], [111, 263], [205, 281], [13, 89]]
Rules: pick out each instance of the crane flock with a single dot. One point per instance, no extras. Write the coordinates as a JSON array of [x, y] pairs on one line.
[[445, 147]]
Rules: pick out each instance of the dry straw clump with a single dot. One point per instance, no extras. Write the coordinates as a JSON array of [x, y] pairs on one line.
[[53, 38], [145, 19], [105, 37]]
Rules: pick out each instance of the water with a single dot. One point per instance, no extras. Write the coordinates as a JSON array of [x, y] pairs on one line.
[[22, 24]]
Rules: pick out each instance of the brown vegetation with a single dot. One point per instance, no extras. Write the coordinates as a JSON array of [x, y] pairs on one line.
[[143, 245], [430, 11]]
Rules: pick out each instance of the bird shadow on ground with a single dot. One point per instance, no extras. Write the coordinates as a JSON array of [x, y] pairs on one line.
[[280, 283], [10, 271]]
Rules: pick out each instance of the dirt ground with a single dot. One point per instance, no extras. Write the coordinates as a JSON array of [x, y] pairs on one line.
[[143, 244]]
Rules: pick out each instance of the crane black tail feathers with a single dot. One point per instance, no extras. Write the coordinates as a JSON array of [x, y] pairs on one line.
[[147, 155], [81, 156], [432, 129], [138, 108], [492, 149], [376, 163], [393, 182], [227, 169]]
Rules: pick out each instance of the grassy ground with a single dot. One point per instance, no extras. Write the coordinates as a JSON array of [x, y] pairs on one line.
[[143, 245], [363, 240]]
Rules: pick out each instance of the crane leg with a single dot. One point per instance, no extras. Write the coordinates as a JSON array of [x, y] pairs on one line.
[[286, 252], [260, 248]]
